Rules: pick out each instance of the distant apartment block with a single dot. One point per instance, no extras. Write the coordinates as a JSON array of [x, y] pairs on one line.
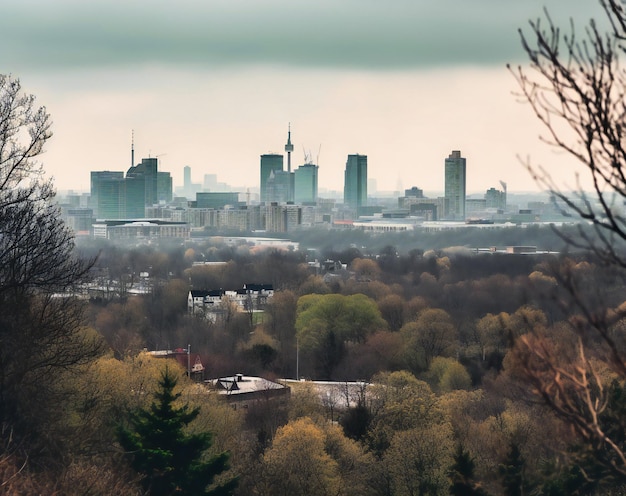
[[78, 219], [455, 186], [475, 206], [495, 199], [430, 209], [140, 229], [244, 218], [414, 192], [281, 218]]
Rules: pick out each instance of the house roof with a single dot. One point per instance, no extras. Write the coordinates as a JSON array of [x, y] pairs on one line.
[[258, 287], [201, 293], [240, 384], [198, 293]]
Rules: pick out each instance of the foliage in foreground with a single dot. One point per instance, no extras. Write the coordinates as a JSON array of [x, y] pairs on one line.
[[170, 460]]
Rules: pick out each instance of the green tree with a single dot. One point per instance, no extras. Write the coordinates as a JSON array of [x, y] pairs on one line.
[[417, 460], [447, 374], [491, 333], [399, 402], [170, 460], [433, 334], [325, 323]]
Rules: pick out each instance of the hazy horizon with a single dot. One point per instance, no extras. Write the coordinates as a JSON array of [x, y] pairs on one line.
[[215, 84]]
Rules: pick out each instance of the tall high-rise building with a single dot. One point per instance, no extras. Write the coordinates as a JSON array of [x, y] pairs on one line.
[[269, 162], [117, 197], [164, 187], [355, 181], [146, 172], [134, 197], [278, 187], [189, 188], [107, 191], [455, 178], [305, 183], [187, 178]]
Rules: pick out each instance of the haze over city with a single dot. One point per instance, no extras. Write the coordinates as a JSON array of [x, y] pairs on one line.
[[213, 85]]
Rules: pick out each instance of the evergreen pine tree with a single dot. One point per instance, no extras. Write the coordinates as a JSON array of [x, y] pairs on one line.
[[512, 472], [462, 475], [170, 460]]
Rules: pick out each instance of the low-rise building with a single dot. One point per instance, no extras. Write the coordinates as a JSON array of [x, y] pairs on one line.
[[241, 390], [211, 303], [140, 229]]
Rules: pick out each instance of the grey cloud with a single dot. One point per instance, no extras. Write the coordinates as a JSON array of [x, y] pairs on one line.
[[360, 34]]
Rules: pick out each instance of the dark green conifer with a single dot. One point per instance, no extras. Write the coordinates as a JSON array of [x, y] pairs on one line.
[[512, 472], [462, 475], [170, 460]]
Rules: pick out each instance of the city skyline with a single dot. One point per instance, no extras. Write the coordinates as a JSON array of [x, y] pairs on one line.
[[213, 85]]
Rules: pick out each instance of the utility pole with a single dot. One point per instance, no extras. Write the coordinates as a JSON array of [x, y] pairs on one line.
[[189, 361]]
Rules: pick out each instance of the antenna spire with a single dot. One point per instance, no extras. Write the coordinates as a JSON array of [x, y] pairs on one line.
[[132, 149]]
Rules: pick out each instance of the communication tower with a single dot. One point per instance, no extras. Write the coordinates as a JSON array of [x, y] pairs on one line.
[[289, 149]]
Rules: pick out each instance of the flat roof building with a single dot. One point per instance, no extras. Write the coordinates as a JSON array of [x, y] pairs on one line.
[[355, 181], [269, 162], [455, 186]]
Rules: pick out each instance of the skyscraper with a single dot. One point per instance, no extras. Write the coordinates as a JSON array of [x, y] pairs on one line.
[[117, 197], [134, 197], [269, 162], [187, 179], [355, 181], [107, 191], [455, 186], [164, 187], [146, 172], [305, 183], [278, 187]]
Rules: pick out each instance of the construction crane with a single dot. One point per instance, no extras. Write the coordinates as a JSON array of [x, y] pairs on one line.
[[307, 156]]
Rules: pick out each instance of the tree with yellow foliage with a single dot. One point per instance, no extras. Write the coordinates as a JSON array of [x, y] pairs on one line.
[[297, 462]]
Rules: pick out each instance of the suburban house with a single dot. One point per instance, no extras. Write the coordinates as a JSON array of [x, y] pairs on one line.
[[210, 303]]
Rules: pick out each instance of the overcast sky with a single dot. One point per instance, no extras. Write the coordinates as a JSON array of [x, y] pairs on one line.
[[213, 84]]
